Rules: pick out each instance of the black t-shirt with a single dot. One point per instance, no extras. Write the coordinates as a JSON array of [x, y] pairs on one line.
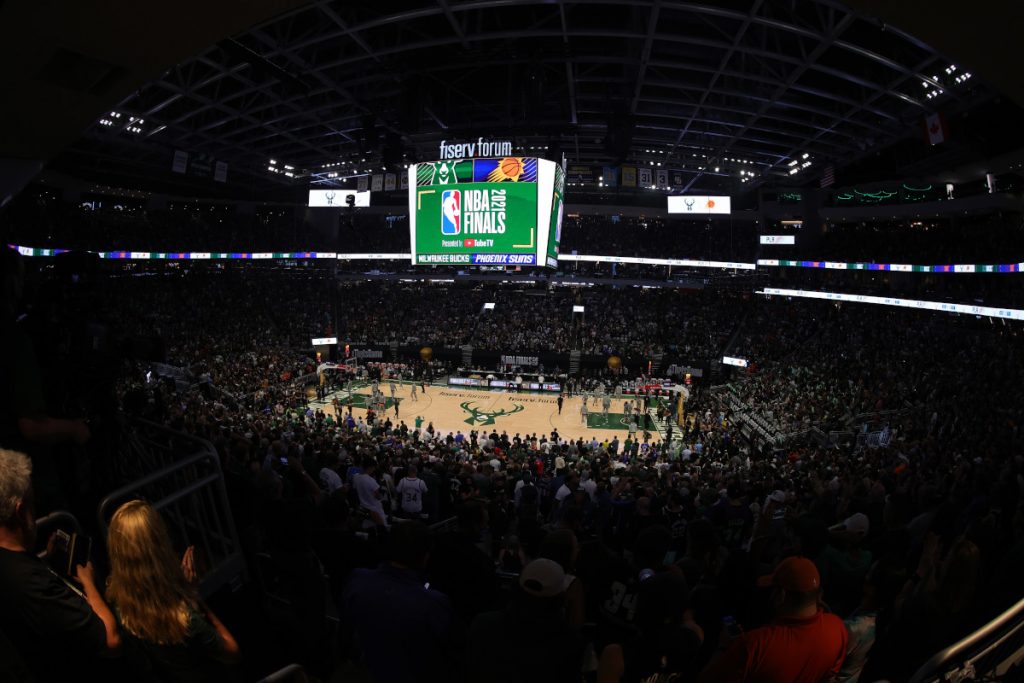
[[523, 644], [51, 626]]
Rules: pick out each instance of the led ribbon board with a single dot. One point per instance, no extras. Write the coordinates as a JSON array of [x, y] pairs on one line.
[[687, 263], [942, 307], [399, 256], [898, 267]]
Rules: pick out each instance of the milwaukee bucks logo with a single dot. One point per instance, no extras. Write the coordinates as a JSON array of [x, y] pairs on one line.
[[480, 418]]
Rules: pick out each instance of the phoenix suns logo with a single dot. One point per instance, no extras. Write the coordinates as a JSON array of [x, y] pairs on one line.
[[480, 417]]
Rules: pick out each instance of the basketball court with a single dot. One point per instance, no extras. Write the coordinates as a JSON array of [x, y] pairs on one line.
[[454, 410]]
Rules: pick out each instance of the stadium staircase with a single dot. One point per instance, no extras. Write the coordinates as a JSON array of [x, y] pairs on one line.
[[656, 360], [467, 356], [574, 363], [730, 343], [677, 432]]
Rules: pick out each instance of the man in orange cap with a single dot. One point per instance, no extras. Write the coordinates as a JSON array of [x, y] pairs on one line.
[[802, 644]]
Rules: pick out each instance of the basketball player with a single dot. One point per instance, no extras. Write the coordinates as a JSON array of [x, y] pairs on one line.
[[391, 386], [584, 412], [412, 390], [606, 403]]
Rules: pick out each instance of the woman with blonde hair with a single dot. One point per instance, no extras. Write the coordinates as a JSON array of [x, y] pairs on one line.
[[156, 599]]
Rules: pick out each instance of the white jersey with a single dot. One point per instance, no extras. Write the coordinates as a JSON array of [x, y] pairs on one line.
[[410, 491], [366, 488], [329, 480]]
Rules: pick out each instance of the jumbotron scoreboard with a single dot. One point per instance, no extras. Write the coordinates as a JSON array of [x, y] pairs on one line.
[[486, 212]]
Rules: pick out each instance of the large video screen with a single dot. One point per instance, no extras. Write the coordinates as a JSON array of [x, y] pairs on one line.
[[505, 211]]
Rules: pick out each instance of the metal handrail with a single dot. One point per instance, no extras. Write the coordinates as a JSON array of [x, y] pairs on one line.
[[53, 519], [293, 673], [197, 501], [996, 631]]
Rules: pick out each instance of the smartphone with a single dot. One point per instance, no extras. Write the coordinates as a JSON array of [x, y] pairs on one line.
[[69, 551], [731, 627]]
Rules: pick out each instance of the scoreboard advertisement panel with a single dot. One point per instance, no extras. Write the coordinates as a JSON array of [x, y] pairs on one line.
[[504, 211]]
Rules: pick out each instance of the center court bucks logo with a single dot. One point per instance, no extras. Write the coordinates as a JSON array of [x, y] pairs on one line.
[[451, 212], [480, 417]]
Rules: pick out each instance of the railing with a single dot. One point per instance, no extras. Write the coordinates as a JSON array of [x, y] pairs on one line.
[[187, 486], [835, 436], [58, 519], [990, 651], [293, 673]]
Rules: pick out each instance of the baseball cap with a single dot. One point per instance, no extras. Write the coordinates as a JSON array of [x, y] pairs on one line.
[[544, 578], [794, 574], [857, 523]]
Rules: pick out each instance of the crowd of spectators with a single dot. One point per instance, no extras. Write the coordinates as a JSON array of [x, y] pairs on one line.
[[113, 224], [988, 238], [711, 238], [567, 560], [821, 364]]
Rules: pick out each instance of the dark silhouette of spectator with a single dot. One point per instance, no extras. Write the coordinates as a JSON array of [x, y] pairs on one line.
[[392, 603], [530, 640], [55, 630]]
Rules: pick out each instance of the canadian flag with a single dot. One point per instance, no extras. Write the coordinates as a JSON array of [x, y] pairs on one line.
[[935, 128]]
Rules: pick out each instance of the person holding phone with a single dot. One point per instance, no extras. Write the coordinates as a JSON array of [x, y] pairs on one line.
[[56, 628], [157, 601]]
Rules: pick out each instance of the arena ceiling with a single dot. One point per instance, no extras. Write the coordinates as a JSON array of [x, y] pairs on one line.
[[334, 88]]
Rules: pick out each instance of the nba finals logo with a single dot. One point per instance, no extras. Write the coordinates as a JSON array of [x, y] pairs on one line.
[[451, 212]]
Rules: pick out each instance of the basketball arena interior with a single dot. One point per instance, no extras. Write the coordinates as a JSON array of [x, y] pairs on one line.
[[579, 341]]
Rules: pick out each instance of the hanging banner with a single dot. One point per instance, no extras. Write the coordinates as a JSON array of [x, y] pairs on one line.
[[609, 176], [662, 178], [403, 182], [645, 177], [180, 163], [677, 178], [389, 182], [363, 183], [578, 173], [377, 182], [220, 172], [629, 176]]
